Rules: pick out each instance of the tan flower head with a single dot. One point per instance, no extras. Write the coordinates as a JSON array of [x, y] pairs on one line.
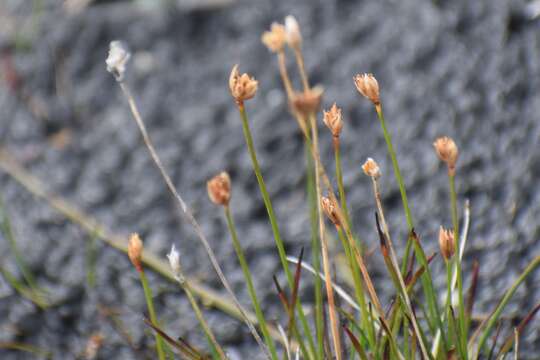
[[307, 102], [330, 210], [292, 31], [243, 87], [219, 189], [332, 119], [447, 151], [446, 243], [135, 248], [275, 38], [368, 86], [371, 168]]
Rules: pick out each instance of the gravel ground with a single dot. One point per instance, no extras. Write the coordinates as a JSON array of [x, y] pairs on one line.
[[468, 69]]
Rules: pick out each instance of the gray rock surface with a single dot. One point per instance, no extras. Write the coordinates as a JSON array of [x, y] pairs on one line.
[[467, 69]]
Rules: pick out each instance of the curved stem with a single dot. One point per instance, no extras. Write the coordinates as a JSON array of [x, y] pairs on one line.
[[92, 227], [273, 222], [198, 313], [401, 183], [152, 312], [187, 212], [249, 281], [334, 320], [427, 283], [506, 298]]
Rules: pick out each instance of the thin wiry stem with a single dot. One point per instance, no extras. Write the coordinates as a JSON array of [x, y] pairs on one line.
[[359, 290], [457, 259], [91, 226], [354, 250], [334, 329], [273, 221], [395, 266], [284, 75], [249, 282], [506, 298], [312, 198], [312, 206], [152, 312], [427, 283], [339, 178], [334, 320], [184, 284], [187, 212], [401, 183], [301, 68]]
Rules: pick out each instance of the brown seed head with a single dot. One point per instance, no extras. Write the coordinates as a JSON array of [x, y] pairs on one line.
[[371, 168], [135, 249], [332, 119], [368, 86], [292, 33], [243, 87], [275, 38], [446, 243], [307, 102], [447, 151], [219, 189], [330, 210]]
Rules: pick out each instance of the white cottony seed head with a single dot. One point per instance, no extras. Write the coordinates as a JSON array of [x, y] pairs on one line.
[[117, 60], [292, 32], [174, 261]]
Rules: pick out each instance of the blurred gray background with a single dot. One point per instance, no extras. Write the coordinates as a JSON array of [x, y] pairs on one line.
[[467, 69]]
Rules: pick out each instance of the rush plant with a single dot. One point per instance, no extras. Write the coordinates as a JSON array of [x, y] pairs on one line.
[[419, 323]]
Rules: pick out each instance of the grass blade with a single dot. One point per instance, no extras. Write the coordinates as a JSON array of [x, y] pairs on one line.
[[187, 351], [356, 344], [502, 304], [507, 344]]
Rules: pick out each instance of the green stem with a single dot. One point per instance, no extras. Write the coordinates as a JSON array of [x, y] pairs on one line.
[[397, 172], [10, 236], [273, 223], [401, 184], [427, 284], [202, 321], [249, 281], [152, 313], [25, 291], [339, 177], [319, 330], [506, 298], [359, 291], [457, 259]]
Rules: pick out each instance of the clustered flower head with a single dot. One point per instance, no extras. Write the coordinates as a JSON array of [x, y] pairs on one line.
[[330, 210], [117, 60], [219, 189], [371, 168], [446, 243], [243, 87], [135, 248], [307, 102], [447, 151], [292, 32], [367, 85], [332, 119], [275, 38]]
